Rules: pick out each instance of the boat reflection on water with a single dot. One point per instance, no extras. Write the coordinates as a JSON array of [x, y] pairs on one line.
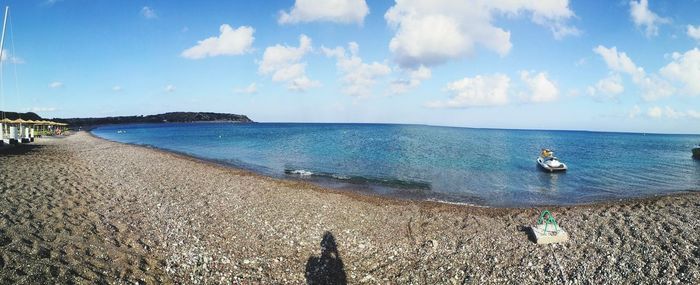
[[549, 181]]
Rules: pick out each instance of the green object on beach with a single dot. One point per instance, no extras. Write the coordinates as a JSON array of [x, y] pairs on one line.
[[548, 219]]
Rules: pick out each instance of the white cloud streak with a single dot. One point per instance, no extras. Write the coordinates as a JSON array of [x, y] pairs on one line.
[[56, 85], [41, 109], [252, 88]]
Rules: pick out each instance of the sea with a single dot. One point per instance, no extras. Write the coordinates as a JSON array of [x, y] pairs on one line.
[[485, 167]]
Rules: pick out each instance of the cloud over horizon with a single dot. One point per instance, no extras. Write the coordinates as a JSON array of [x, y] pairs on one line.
[[478, 91]]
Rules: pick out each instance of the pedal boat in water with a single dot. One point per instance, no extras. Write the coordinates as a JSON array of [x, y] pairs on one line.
[[549, 162]]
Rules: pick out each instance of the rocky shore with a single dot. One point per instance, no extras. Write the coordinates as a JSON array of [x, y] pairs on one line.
[[84, 210]]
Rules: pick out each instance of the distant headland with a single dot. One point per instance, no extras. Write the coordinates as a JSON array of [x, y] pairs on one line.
[[171, 117]]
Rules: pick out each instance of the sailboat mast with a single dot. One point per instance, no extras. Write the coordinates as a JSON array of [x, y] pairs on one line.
[[4, 24], [2, 48]]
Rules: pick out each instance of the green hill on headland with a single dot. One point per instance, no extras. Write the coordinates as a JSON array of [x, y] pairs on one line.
[[172, 117], [23, 116]]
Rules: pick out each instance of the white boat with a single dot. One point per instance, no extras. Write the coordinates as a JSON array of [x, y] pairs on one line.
[[549, 162]]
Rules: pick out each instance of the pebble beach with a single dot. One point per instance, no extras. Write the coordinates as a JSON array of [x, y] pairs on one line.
[[80, 209]]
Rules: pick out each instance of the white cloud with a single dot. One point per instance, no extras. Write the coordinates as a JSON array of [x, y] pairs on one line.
[[169, 88], [634, 112], [338, 11], [481, 90], [668, 112], [56, 85], [540, 87], [685, 68], [643, 17], [284, 64], [693, 32], [357, 77], [652, 85], [250, 89], [609, 86], [433, 32], [148, 13], [229, 42], [117, 88], [415, 77]]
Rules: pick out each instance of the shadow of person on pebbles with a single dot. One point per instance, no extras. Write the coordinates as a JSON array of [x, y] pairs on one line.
[[327, 268], [528, 231]]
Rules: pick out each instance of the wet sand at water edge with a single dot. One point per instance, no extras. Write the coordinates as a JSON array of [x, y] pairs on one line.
[[84, 210]]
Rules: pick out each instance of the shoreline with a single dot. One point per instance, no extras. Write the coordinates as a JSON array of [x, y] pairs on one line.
[[359, 194], [83, 209]]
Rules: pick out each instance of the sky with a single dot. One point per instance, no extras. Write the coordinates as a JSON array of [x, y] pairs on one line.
[[599, 65]]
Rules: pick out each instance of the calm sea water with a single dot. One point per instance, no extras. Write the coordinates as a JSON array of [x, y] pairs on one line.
[[478, 166]]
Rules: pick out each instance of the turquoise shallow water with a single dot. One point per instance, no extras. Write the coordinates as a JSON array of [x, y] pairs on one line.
[[478, 166]]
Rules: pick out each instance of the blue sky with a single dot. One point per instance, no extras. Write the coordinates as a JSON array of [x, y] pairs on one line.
[[555, 64]]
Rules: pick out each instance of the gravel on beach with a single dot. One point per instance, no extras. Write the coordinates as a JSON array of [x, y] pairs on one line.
[[84, 210]]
